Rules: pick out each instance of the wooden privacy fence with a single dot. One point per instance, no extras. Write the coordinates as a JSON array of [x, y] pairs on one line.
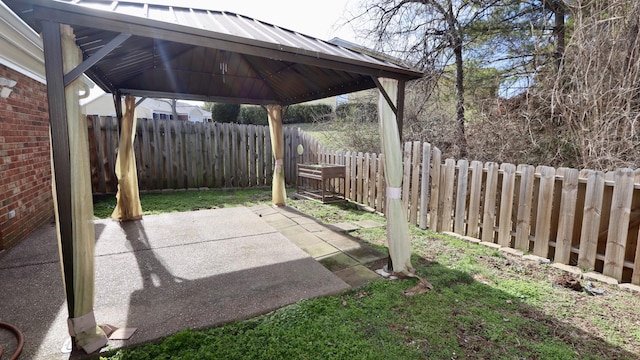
[[585, 218], [183, 155]]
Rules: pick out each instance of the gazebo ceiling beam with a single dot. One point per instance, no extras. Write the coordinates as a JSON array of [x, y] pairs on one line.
[[93, 59], [170, 95], [258, 73]]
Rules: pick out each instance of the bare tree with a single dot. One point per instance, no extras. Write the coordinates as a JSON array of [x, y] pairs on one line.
[[596, 93], [438, 35]]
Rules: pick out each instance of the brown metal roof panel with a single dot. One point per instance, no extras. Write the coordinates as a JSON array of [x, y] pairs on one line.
[[129, 9]]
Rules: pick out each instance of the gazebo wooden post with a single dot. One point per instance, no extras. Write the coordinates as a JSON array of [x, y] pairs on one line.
[[390, 107], [128, 205], [279, 192], [71, 187]]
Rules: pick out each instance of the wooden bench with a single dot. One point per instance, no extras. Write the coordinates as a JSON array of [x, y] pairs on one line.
[[313, 181]]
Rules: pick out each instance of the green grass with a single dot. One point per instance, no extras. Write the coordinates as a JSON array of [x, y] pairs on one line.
[[483, 306], [156, 203]]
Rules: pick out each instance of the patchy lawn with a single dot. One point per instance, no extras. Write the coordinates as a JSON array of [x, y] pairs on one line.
[[484, 305]]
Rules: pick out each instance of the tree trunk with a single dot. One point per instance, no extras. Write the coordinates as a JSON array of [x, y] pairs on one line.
[[559, 32], [462, 140]]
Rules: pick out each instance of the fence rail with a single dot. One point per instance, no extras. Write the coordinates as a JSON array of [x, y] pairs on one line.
[[585, 218]]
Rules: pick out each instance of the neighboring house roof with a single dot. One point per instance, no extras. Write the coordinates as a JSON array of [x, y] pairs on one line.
[[188, 53], [103, 106]]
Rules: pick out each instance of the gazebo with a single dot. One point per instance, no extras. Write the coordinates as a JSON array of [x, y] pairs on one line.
[[136, 48]]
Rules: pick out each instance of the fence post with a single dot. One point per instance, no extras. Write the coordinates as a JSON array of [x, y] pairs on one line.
[[424, 184]]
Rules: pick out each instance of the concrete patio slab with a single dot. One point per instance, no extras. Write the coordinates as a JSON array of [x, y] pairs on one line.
[[162, 274]]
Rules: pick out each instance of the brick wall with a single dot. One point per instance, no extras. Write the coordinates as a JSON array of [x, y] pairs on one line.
[[25, 171]]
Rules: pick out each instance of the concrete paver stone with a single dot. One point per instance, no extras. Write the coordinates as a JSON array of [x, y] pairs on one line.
[[357, 276], [344, 227]]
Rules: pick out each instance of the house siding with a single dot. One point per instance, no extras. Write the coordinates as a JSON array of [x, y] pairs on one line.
[[25, 164]]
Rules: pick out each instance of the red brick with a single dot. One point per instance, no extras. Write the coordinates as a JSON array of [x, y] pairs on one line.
[[25, 184]]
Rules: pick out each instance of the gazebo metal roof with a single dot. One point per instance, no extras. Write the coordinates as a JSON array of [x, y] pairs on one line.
[[198, 54]]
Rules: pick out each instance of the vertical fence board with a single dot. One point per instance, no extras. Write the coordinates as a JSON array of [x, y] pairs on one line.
[[347, 182], [359, 177], [591, 221], [260, 153], [373, 181], [545, 203], [382, 189], [226, 150], [434, 209], [209, 156], [567, 216], [168, 153], [506, 204], [97, 135], [635, 276], [157, 155], [252, 156], [110, 181], [475, 196], [461, 197], [365, 178], [406, 175], [618, 223], [243, 171], [489, 205], [447, 193], [525, 195], [137, 151], [415, 182], [425, 184]]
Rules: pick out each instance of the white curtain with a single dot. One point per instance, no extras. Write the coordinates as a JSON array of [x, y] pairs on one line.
[[128, 197], [279, 192], [397, 227]]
